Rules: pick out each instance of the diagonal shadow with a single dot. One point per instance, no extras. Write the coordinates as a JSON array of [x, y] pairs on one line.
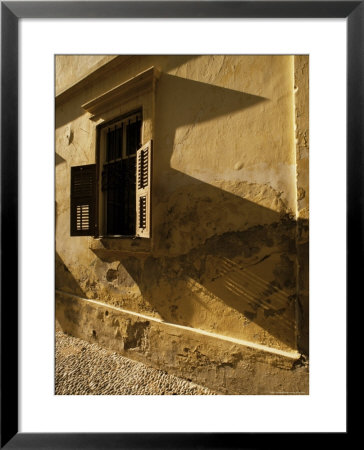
[[59, 159], [65, 281], [222, 262], [249, 275], [192, 102], [71, 110]]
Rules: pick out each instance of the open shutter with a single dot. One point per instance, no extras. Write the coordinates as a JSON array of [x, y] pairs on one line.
[[83, 200], [143, 190]]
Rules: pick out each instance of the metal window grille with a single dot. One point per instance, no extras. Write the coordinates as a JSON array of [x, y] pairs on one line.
[[118, 181]]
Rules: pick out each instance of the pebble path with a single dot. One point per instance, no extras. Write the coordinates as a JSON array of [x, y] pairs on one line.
[[88, 369]]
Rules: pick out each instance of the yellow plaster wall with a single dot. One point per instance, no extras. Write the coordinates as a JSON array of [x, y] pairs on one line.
[[72, 68], [301, 90], [223, 255], [301, 67]]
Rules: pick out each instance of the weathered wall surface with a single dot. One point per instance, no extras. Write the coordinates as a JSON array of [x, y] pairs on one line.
[[301, 78], [223, 255], [71, 68], [227, 366]]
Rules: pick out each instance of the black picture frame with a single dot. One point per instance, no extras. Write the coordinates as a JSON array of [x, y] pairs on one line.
[[11, 12]]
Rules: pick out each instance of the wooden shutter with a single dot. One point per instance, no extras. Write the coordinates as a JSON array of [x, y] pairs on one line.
[[143, 190], [83, 200]]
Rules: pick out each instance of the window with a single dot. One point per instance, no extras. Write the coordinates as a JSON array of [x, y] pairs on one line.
[[112, 197], [119, 142]]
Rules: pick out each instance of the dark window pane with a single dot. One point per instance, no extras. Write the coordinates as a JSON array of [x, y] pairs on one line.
[[118, 180], [133, 137]]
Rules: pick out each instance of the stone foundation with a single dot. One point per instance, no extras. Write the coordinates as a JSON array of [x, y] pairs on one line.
[[227, 365]]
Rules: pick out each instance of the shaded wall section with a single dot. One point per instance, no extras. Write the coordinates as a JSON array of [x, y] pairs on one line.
[[301, 89]]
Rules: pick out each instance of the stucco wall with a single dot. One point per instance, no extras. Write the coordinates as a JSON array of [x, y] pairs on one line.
[[72, 68], [223, 255], [301, 79]]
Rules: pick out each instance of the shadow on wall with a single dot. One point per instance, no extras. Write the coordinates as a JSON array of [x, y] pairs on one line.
[[65, 279], [220, 262], [59, 159], [72, 110], [190, 102], [247, 275]]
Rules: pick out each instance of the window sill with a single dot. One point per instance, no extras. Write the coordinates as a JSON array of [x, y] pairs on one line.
[[109, 247]]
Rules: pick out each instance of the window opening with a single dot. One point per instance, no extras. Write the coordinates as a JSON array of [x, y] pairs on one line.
[[118, 184]]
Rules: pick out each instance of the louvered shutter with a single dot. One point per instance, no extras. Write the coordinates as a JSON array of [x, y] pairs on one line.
[[83, 200], [143, 190]]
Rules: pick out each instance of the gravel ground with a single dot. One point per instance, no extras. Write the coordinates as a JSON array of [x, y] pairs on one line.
[[88, 369]]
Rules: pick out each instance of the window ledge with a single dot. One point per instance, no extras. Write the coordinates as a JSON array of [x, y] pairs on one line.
[[110, 247]]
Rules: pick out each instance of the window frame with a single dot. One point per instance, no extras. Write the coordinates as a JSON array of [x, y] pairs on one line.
[[138, 92], [100, 210]]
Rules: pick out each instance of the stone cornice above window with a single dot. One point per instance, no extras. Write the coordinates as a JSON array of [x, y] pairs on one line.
[[104, 70], [141, 84]]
